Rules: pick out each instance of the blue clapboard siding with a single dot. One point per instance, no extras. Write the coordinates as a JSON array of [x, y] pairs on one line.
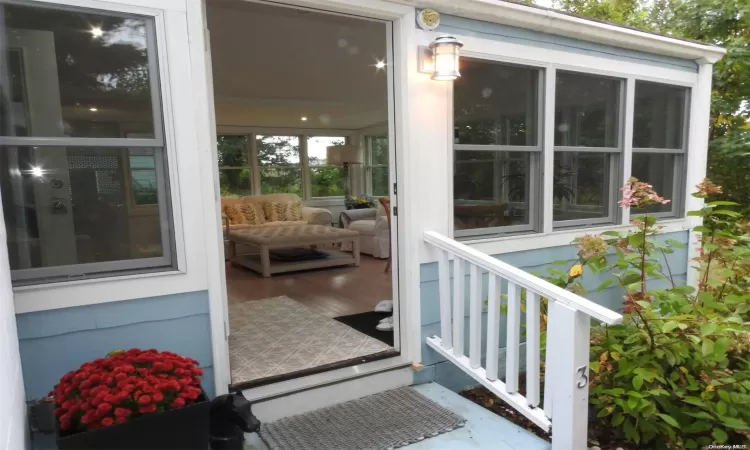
[[461, 26], [57, 341], [532, 261]]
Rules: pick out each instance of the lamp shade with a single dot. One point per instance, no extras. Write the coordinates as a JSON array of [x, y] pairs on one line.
[[343, 154]]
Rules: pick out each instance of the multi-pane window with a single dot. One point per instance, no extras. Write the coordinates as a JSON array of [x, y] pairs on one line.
[[82, 150], [376, 165], [497, 148], [587, 146], [258, 164], [659, 142]]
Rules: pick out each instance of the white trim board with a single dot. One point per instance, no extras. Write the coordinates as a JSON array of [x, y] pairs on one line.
[[554, 22]]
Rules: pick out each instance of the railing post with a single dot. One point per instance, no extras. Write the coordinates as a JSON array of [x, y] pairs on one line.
[[569, 336]]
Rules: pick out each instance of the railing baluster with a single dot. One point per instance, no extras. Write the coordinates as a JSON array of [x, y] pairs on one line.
[[493, 326], [513, 338], [549, 359], [444, 285], [532, 347], [475, 317], [459, 272]]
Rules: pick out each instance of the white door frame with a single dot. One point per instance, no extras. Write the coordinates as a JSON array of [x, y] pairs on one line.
[[408, 325]]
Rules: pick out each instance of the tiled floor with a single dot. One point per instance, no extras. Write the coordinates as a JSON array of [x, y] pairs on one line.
[[279, 336], [483, 428]]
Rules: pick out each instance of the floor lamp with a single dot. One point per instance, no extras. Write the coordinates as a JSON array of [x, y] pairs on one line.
[[344, 155]]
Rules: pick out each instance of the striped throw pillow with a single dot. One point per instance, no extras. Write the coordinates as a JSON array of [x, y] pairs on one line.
[[283, 211]]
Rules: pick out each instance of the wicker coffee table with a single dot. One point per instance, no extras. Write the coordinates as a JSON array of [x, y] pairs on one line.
[[293, 236]]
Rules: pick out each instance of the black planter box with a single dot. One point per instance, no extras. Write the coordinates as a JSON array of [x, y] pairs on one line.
[[184, 429]]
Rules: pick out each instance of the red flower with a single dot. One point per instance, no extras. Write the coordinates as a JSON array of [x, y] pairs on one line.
[[103, 408], [144, 400], [157, 397], [148, 409], [121, 419], [122, 412], [107, 421], [178, 403]]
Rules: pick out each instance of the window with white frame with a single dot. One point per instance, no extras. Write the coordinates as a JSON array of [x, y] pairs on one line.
[[376, 165], [497, 148], [82, 197], [660, 143], [587, 148], [257, 164]]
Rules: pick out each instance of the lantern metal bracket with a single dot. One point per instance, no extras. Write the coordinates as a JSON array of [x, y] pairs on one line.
[[426, 63]]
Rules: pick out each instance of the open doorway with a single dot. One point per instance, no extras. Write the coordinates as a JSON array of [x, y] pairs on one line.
[[303, 120]]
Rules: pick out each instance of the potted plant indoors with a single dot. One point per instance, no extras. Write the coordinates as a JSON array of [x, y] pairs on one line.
[[134, 399]]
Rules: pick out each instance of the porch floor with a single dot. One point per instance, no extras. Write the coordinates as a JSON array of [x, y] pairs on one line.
[[483, 429]]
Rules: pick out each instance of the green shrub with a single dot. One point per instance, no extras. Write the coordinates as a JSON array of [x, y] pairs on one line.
[[675, 373]]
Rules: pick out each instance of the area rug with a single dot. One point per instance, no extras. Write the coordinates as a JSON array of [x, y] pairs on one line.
[[382, 421], [278, 336], [366, 322]]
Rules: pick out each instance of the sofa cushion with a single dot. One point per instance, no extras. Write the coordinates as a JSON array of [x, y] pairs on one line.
[[253, 213], [365, 227], [283, 211]]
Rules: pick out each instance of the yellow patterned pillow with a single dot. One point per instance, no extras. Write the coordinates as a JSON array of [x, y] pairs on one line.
[[253, 213], [283, 211], [235, 215]]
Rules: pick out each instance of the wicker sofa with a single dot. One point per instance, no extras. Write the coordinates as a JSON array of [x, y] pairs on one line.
[[312, 216]]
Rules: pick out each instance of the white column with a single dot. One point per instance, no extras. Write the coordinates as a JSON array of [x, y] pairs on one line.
[[13, 426], [697, 156]]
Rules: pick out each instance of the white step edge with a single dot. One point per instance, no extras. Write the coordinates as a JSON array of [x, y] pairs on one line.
[[331, 394]]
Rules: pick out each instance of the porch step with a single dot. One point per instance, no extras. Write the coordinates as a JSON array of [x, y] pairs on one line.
[[483, 429], [272, 408]]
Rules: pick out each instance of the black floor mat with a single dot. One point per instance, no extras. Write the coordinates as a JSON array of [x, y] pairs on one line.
[[366, 323]]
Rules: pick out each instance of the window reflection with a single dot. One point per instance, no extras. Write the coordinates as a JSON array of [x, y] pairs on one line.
[[72, 73], [491, 189]]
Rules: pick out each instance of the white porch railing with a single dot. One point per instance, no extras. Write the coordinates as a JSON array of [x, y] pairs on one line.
[[565, 408]]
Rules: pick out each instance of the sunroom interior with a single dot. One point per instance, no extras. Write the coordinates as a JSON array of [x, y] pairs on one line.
[[291, 88]]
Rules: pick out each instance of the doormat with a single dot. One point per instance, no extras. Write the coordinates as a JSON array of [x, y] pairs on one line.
[[382, 421], [366, 322]]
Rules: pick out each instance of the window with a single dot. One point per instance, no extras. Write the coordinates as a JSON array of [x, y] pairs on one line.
[[497, 149], [82, 195], [587, 146], [326, 180], [234, 172], [376, 165], [279, 162], [659, 143]]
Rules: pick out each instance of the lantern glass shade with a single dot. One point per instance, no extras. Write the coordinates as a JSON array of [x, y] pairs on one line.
[[445, 54]]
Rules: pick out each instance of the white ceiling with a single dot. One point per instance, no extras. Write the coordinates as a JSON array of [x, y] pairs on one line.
[[272, 65]]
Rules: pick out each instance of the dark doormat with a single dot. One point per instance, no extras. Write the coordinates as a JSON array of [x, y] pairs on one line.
[[366, 322], [382, 421]]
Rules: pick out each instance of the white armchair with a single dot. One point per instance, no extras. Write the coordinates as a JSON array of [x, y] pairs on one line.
[[372, 226]]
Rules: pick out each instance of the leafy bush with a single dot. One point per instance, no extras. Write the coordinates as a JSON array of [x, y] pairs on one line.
[[674, 374]]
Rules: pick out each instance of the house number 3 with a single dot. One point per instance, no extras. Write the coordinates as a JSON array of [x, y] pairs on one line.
[[584, 379]]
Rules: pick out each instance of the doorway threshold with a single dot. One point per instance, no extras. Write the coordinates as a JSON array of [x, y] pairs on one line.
[[243, 385]]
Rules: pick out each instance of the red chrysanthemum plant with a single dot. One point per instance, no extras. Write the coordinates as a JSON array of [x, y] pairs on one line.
[[124, 386]]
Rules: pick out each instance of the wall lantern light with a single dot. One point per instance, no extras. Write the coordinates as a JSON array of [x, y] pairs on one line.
[[441, 58]]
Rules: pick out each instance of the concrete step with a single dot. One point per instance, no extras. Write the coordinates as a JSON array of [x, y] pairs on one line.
[[483, 429]]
